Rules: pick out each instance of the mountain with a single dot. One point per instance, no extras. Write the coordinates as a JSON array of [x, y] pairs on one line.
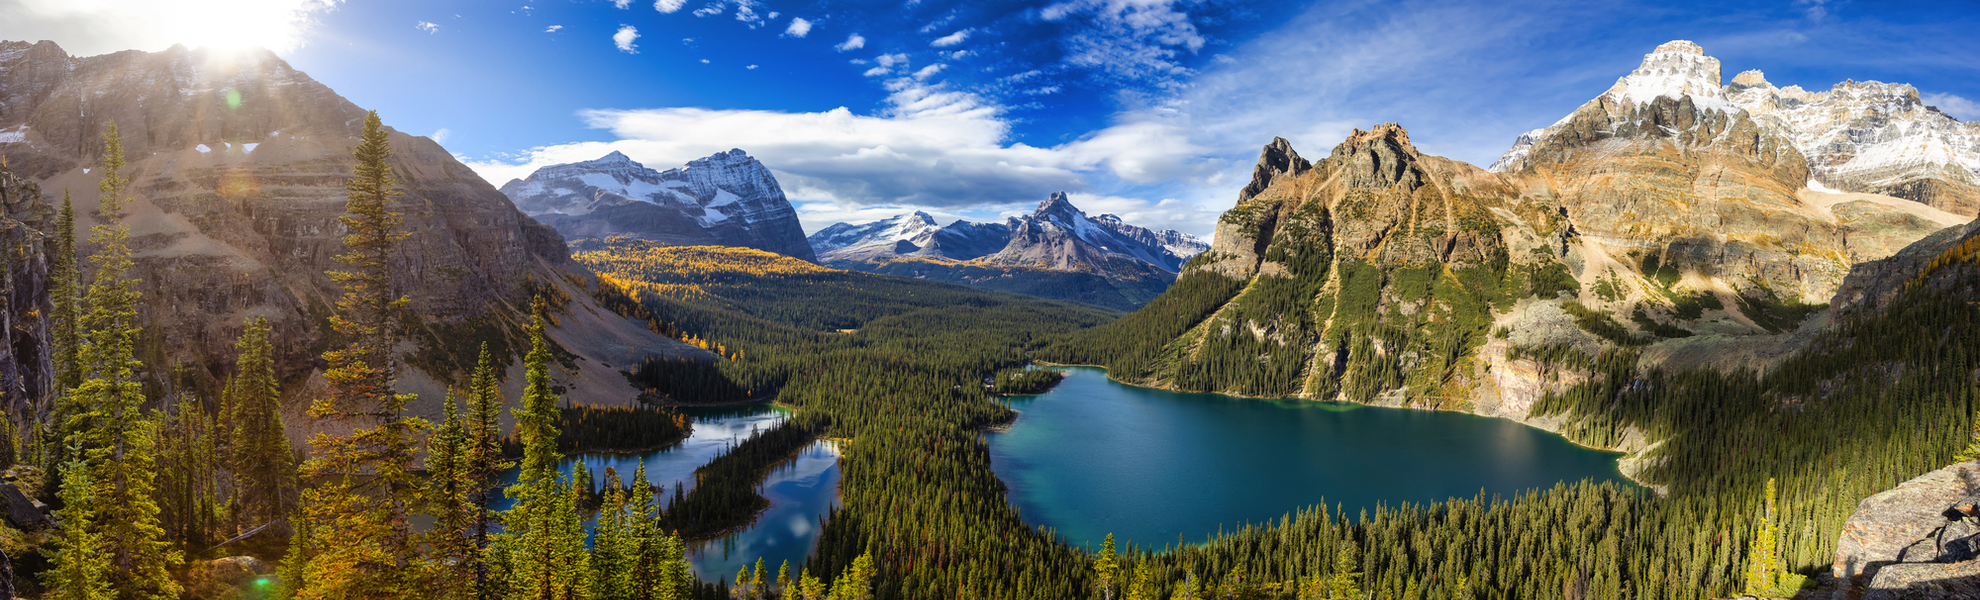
[[237, 164], [1055, 252], [1658, 218], [1872, 137], [727, 199], [1867, 137], [913, 234], [26, 371]]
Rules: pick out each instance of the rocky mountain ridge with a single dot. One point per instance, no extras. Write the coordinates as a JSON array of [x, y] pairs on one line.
[[237, 164], [726, 199], [1057, 252], [1858, 137]]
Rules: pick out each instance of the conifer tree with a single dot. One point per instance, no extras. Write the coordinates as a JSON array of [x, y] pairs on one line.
[[64, 342], [783, 580], [448, 498], [1346, 582], [1105, 569], [542, 543], [82, 562], [108, 424], [368, 480], [484, 458], [757, 585], [809, 587], [611, 561], [675, 580], [856, 583], [258, 449], [1143, 585], [1763, 562]]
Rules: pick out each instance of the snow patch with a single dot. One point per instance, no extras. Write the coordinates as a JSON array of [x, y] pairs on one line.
[[249, 147], [1817, 186], [14, 135], [202, 149]]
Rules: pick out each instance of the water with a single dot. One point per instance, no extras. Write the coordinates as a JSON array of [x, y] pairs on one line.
[[1092, 457], [799, 491]]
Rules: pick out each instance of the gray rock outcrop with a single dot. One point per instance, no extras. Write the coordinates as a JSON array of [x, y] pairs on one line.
[[1917, 540]]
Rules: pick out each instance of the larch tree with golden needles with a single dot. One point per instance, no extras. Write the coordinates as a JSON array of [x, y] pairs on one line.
[[107, 423], [366, 479]]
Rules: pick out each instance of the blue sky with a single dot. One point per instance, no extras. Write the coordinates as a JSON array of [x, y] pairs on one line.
[[1153, 109]]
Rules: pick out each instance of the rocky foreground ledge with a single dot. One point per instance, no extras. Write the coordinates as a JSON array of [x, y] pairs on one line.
[[1920, 540]]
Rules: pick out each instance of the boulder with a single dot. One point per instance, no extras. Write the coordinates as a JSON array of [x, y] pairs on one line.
[[21, 511], [1922, 529]]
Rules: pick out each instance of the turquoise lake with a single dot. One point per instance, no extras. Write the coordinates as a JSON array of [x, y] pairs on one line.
[[799, 491], [1093, 456]]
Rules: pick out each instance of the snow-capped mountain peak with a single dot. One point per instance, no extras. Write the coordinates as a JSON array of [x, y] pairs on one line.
[[728, 198], [1674, 70]]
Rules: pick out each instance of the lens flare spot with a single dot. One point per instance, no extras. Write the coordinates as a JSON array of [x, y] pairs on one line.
[[238, 183], [233, 99]]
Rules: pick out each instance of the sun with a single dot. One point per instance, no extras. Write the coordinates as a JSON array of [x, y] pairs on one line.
[[278, 25]]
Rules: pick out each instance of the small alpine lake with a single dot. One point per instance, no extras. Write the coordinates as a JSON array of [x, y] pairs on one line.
[[1093, 456], [800, 490]]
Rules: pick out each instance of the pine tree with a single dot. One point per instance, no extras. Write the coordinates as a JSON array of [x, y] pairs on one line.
[[676, 577], [542, 544], [258, 449], [367, 476], [1143, 585], [613, 551], [82, 561], [1763, 562], [108, 424], [448, 498], [484, 459], [64, 340], [1346, 582], [1105, 569], [856, 583]]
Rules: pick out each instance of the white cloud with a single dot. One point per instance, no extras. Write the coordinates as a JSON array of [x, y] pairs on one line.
[[799, 28], [951, 39], [932, 147], [552, 28], [621, 4], [668, 6], [624, 39], [713, 8], [1957, 106], [426, 27], [440, 137], [1136, 39], [887, 63], [751, 67], [704, 61], [746, 12], [88, 28], [853, 42], [929, 71]]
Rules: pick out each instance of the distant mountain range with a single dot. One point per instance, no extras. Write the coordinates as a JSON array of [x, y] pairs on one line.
[[1057, 251], [727, 199]]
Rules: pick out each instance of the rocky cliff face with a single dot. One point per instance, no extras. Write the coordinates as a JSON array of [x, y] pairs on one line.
[[728, 199], [1872, 137], [27, 225], [238, 163]]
